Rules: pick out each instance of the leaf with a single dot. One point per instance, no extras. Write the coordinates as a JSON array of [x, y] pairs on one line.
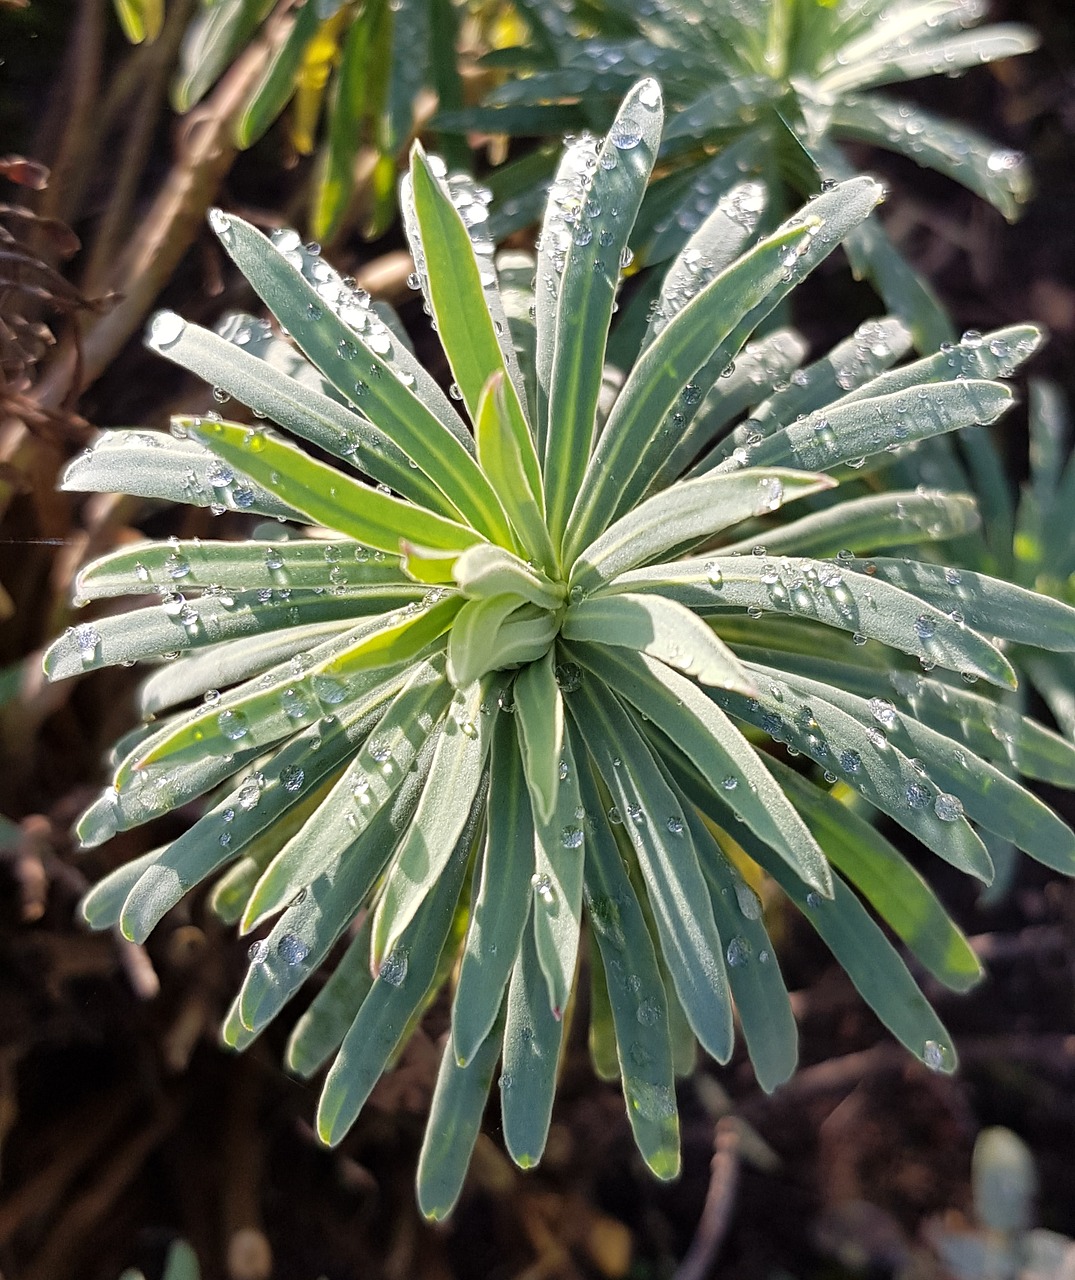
[[321, 1028], [1002, 177], [626, 454], [294, 404], [866, 760], [223, 833], [455, 1117], [998, 608], [684, 514], [880, 520], [947, 56], [181, 625], [532, 1038], [140, 19], [541, 732], [403, 980], [502, 902], [834, 594], [211, 39], [102, 906], [717, 749], [455, 780], [559, 859], [400, 738], [870, 960], [653, 818], [228, 662], [661, 628], [496, 633], [328, 497], [635, 993], [590, 225], [761, 999], [989, 796], [147, 464], [342, 669], [276, 86], [895, 890], [241, 566], [351, 103], [485, 570], [349, 356], [504, 463]]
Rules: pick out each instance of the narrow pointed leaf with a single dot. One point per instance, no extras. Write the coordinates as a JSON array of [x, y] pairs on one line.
[[635, 993], [663, 629], [685, 514], [833, 594], [502, 903], [895, 890], [717, 748], [404, 977], [654, 819], [319, 1032], [327, 496], [540, 709], [455, 1117], [531, 1054], [591, 236]]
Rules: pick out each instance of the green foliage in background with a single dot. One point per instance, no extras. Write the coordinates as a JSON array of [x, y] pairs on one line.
[[765, 88], [553, 676], [362, 65]]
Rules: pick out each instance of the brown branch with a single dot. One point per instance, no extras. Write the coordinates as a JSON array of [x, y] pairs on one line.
[[719, 1202]]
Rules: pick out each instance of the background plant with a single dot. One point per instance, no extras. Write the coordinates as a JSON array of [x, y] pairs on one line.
[[511, 626], [370, 69], [766, 90]]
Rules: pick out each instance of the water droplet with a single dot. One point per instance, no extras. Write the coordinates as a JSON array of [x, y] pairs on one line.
[[730, 782], [614, 815], [249, 794], [87, 638], [935, 1055], [626, 133], [748, 900], [542, 886], [947, 807], [675, 825], [850, 761], [292, 949], [562, 771], [813, 900], [571, 837], [738, 952], [882, 711], [165, 328], [649, 94], [648, 1012], [568, 676], [258, 952], [393, 968], [917, 794], [292, 778], [233, 725], [925, 626]]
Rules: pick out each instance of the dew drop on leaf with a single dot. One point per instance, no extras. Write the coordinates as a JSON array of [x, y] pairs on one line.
[[232, 724], [393, 968], [292, 778], [291, 949], [947, 807]]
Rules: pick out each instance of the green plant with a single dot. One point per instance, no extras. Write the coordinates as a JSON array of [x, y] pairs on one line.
[[364, 66], [766, 88], [540, 665]]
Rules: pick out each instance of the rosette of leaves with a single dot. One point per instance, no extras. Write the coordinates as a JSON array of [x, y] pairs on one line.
[[769, 88], [361, 67], [494, 691]]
